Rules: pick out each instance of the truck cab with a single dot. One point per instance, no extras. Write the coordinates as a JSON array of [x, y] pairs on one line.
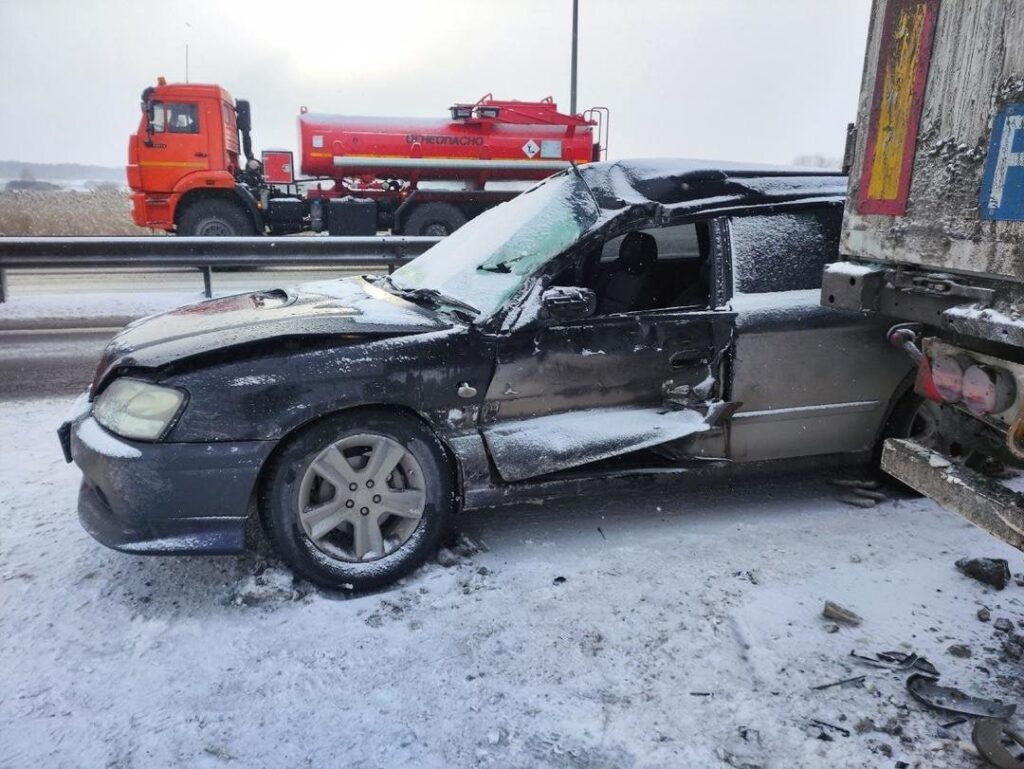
[[183, 162]]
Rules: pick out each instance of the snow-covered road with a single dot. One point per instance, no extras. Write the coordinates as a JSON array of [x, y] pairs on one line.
[[677, 629]]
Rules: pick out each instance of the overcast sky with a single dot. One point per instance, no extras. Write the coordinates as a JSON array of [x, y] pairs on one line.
[[759, 80]]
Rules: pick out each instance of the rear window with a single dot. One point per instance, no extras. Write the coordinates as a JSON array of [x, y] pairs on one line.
[[784, 252]]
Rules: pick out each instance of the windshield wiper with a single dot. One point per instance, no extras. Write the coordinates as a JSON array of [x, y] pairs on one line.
[[501, 267], [435, 297]]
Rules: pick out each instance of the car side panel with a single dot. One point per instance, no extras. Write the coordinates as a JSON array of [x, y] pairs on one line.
[[265, 396], [566, 396], [812, 380]]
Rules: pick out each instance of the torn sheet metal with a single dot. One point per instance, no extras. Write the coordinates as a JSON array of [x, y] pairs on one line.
[[928, 692], [536, 446]]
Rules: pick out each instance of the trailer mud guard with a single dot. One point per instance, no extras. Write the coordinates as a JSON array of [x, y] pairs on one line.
[[983, 501]]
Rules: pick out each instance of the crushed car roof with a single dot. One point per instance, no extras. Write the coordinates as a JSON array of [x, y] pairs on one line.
[[703, 185]]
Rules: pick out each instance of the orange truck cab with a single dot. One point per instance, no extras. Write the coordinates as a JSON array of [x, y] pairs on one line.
[[183, 162]]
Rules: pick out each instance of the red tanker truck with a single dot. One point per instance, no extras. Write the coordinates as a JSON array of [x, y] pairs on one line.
[[192, 170]]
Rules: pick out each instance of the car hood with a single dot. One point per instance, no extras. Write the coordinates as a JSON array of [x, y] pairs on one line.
[[343, 307]]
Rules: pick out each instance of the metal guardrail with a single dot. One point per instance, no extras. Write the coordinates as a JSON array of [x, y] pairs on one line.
[[206, 254]]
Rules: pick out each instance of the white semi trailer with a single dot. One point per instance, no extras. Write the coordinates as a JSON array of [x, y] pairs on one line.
[[933, 237]]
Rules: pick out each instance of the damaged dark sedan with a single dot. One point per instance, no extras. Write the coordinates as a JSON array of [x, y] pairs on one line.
[[617, 320]]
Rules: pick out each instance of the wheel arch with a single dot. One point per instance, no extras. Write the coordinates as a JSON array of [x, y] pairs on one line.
[[239, 196], [901, 395], [412, 210], [254, 526]]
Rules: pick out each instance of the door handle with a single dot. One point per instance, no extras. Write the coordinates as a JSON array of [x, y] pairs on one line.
[[200, 154], [682, 358]]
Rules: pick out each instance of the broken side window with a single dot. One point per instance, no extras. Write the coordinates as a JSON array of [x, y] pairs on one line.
[[784, 252], [653, 269]]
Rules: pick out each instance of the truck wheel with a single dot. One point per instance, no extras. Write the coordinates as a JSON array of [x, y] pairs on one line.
[[215, 219], [435, 220], [358, 500]]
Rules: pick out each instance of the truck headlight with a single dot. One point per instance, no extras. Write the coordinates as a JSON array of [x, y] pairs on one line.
[[133, 408]]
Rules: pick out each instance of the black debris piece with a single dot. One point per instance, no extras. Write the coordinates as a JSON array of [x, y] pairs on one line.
[[990, 571], [1014, 647], [833, 727], [928, 692], [898, 661], [854, 680]]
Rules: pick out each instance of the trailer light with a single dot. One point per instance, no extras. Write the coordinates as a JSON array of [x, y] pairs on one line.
[[987, 390], [925, 383], [948, 377], [461, 112]]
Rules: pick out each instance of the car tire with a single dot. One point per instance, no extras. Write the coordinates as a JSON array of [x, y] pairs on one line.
[[331, 534], [215, 219], [914, 417], [434, 220]]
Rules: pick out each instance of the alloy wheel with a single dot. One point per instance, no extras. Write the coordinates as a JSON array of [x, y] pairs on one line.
[[361, 498]]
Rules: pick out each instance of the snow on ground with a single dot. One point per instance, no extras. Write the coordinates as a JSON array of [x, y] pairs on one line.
[[680, 628]]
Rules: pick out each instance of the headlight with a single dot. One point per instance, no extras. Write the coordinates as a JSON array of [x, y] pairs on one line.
[[132, 408]]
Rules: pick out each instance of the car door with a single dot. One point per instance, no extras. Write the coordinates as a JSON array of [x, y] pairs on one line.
[[811, 379], [568, 394], [178, 145]]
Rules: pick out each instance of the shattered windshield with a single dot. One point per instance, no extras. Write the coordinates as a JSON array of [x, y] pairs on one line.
[[486, 261]]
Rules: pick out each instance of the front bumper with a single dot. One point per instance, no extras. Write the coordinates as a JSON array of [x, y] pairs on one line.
[[163, 497]]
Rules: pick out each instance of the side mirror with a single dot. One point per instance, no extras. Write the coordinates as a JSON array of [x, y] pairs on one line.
[[243, 115], [564, 303]]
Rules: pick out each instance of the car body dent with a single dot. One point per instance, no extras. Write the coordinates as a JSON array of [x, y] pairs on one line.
[[336, 310], [611, 367]]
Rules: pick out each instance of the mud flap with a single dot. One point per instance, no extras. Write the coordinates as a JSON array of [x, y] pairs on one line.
[[982, 501]]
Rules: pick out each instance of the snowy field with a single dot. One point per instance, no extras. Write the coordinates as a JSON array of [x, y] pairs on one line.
[[678, 629]]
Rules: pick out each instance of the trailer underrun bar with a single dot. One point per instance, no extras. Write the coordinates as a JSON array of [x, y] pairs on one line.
[[981, 500]]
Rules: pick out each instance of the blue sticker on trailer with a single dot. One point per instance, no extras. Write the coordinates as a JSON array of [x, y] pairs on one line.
[[1002, 189]]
